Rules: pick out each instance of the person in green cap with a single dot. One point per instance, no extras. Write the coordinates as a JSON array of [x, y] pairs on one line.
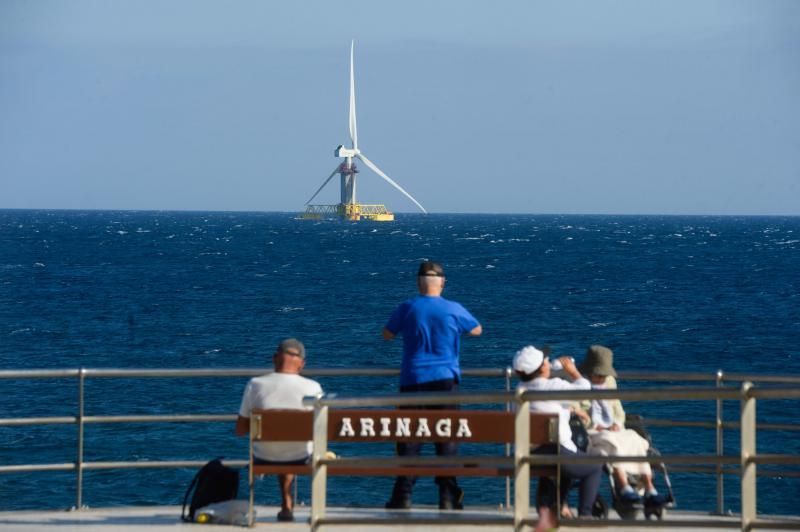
[[605, 423]]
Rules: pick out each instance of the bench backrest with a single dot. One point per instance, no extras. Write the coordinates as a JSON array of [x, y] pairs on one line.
[[374, 425]]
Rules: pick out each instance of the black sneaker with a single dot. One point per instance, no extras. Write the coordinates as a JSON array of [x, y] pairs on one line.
[[401, 502], [451, 499], [285, 516]]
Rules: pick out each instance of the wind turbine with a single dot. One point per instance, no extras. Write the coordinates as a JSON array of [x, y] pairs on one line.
[[347, 169]]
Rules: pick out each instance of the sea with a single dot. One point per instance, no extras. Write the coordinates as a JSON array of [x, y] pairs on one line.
[[128, 289]]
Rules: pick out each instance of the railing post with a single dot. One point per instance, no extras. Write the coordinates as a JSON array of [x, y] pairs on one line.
[[748, 451], [720, 450], [508, 374], [522, 469], [255, 428], [79, 457], [319, 472]]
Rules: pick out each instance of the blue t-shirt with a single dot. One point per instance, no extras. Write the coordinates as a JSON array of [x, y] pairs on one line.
[[431, 328]]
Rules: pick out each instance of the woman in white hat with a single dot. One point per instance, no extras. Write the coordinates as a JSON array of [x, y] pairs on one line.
[[533, 369]]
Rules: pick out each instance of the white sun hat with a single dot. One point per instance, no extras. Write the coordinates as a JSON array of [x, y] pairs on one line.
[[528, 359]]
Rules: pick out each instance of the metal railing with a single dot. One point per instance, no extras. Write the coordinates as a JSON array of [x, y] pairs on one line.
[[748, 459], [719, 379]]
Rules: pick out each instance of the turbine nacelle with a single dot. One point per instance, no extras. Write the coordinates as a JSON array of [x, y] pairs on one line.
[[341, 151]]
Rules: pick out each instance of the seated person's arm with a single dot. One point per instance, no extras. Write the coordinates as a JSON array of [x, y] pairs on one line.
[[584, 416], [242, 426]]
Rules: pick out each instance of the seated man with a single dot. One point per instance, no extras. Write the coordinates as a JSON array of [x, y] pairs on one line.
[[283, 389], [605, 421], [533, 370]]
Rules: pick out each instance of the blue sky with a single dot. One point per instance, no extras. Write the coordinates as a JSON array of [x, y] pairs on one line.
[[679, 107]]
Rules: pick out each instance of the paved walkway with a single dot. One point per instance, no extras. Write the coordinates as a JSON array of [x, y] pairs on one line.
[[167, 519]]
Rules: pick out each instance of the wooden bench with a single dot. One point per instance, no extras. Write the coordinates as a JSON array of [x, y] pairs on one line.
[[406, 425]]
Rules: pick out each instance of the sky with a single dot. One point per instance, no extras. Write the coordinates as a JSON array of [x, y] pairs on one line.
[[571, 107]]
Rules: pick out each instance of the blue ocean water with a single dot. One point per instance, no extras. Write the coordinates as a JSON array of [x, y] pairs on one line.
[[195, 290]]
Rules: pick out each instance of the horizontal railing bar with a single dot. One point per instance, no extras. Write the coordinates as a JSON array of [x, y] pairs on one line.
[[23, 468], [669, 423], [410, 399], [731, 425], [221, 372], [550, 459], [659, 376], [411, 461], [64, 420], [776, 379], [38, 373], [651, 394], [774, 393], [406, 399], [158, 464], [766, 473], [155, 464], [781, 459], [460, 460], [761, 524], [160, 418]]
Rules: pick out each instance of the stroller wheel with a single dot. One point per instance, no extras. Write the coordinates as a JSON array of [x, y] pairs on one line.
[[600, 508], [627, 513], [657, 512]]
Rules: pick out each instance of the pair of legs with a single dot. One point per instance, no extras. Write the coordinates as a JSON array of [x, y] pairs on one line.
[[588, 475], [621, 480], [285, 485], [449, 493]]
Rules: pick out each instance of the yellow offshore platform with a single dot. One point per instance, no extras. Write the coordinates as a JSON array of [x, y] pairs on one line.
[[348, 208], [349, 211]]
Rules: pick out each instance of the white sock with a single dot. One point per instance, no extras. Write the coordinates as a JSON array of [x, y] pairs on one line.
[[627, 489], [652, 493]]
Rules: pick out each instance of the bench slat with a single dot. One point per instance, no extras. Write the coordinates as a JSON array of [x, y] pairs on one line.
[[485, 426], [394, 471]]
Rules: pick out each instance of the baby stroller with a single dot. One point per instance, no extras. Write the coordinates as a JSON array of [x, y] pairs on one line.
[[650, 507]]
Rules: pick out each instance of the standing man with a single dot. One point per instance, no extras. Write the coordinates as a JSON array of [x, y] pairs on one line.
[[431, 327], [283, 389]]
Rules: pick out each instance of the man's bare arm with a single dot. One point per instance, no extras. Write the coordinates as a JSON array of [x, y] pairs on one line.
[[387, 334], [242, 426]]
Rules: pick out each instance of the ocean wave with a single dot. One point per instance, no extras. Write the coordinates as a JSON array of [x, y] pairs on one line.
[[290, 309], [600, 324]]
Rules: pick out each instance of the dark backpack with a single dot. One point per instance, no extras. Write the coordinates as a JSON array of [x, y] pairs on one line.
[[214, 482]]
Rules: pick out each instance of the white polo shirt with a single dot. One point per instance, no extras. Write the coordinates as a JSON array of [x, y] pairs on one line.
[[278, 391]]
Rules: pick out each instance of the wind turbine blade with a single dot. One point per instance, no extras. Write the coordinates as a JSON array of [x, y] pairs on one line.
[[335, 171], [353, 128], [378, 171]]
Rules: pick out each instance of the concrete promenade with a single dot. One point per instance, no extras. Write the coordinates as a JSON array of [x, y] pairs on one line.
[[167, 519]]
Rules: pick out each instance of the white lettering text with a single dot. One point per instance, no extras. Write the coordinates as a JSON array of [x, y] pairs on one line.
[[347, 428], [422, 428], [443, 428], [463, 429]]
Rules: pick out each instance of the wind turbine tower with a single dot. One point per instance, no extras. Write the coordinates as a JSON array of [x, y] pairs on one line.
[[348, 207]]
